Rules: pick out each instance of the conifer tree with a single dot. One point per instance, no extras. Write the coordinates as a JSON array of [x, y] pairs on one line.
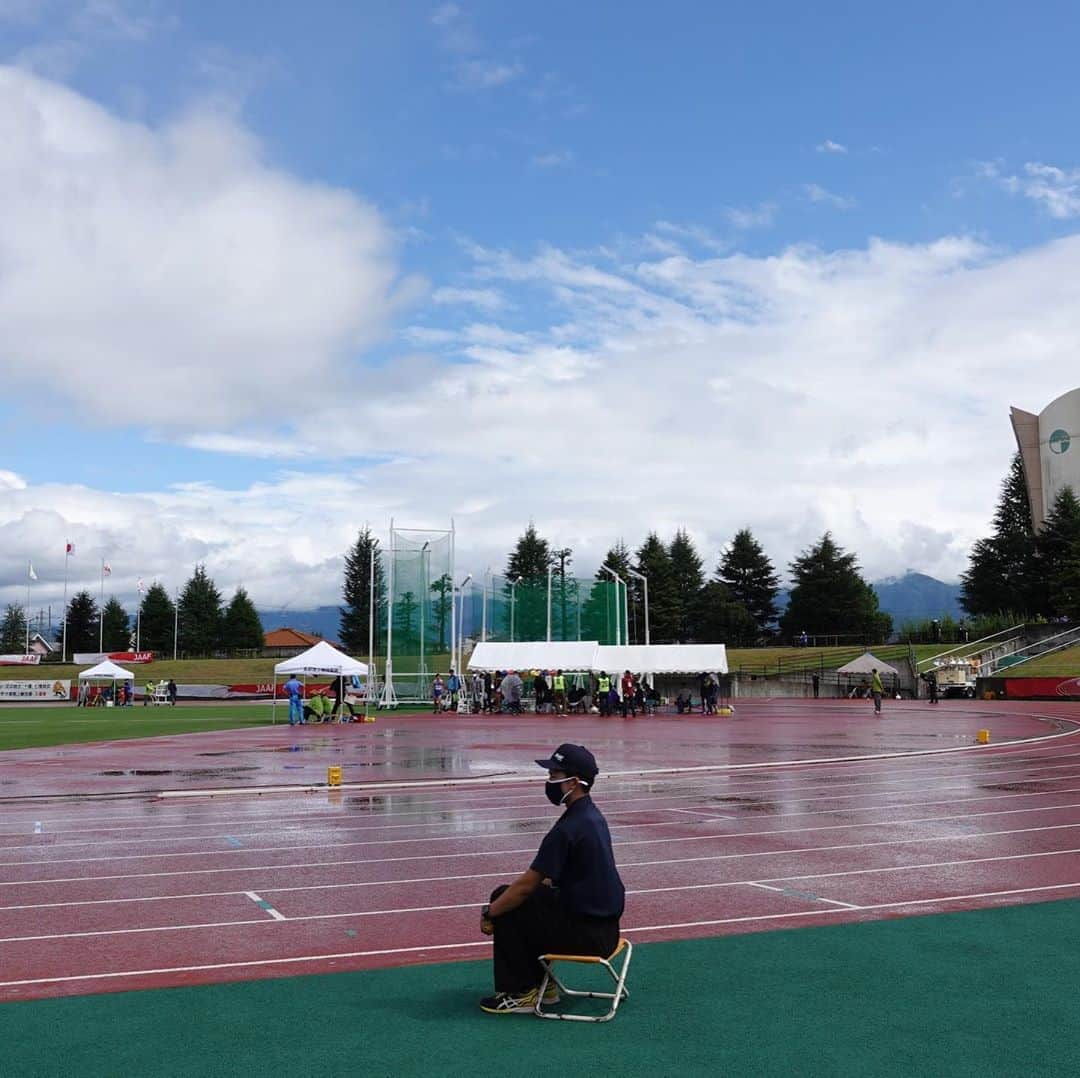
[[200, 615], [722, 619], [1059, 554], [157, 621], [355, 614], [653, 562], [241, 628], [82, 623], [526, 585], [443, 591], [830, 597], [750, 579], [687, 582], [13, 630], [115, 627], [1003, 571]]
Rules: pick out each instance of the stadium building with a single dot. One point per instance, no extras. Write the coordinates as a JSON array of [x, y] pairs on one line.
[[1050, 449]]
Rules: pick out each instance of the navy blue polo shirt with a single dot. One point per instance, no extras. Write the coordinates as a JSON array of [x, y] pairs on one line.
[[576, 854]]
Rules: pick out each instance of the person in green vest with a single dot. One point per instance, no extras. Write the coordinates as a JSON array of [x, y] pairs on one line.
[[148, 694], [603, 689], [558, 685], [877, 690], [318, 707]]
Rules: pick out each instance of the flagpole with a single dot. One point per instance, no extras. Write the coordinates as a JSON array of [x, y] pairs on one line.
[[29, 570], [101, 609], [67, 556]]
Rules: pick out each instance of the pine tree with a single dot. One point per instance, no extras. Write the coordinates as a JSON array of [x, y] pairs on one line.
[[654, 563], [721, 619], [443, 590], [611, 595], [13, 630], [407, 622], [115, 628], [526, 585], [200, 615], [241, 628], [564, 597], [750, 579], [82, 624], [1059, 554], [157, 620], [1003, 572], [830, 597], [687, 582], [356, 591]]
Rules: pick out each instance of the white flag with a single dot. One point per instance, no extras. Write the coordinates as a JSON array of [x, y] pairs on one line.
[[106, 568], [33, 575]]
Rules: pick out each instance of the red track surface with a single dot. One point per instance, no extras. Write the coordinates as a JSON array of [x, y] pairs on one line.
[[120, 893]]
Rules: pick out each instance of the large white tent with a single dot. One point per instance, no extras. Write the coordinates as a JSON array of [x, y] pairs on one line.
[[662, 658], [573, 656], [865, 664], [320, 660]]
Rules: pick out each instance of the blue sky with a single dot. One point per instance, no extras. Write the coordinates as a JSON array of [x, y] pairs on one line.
[[271, 271]]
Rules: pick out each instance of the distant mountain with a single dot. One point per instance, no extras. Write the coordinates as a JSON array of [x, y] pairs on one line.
[[915, 597]]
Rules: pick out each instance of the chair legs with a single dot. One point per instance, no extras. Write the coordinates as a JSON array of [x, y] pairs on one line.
[[618, 975]]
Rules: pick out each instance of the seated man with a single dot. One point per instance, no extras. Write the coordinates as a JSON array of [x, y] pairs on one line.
[[684, 702], [570, 898]]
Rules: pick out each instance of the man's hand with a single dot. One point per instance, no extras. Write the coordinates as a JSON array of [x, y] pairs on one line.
[[487, 925]]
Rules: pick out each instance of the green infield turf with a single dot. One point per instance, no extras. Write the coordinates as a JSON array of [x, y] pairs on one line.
[[37, 725], [964, 995]]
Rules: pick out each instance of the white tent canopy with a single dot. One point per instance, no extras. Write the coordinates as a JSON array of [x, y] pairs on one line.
[[865, 663], [323, 659], [580, 655], [570, 655], [663, 659], [106, 671]]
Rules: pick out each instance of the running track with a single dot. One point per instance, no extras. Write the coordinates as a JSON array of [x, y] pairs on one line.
[[128, 892]]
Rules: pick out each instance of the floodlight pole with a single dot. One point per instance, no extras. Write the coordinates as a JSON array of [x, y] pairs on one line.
[[513, 588], [387, 698], [618, 631], [423, 600], [176, 625], [460, 628], [483, 604], [453, 617], [371, 629], [550, 570]]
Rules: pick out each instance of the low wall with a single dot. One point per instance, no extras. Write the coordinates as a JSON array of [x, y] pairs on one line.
[[1028, 688]]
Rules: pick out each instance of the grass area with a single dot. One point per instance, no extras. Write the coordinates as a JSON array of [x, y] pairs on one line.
[[979, 994], [36, 726], [794, 660], [1064, 663]]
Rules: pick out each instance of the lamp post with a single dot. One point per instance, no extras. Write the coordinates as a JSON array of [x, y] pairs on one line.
[[460, 627], [645, 585], [483, 604], [372, 550], [619, 579], [551, 569], [423, 602]]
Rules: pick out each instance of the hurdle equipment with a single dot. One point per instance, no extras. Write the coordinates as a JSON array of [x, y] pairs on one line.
[[548, 961]]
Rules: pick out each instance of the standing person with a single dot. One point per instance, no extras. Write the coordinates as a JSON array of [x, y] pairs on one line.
[[171, 690], [931, 685], [453, 684], [569, 900], [489, 693], [512, 688], [295, 692], [603, 692], [815, 680], [148, 693], [877, 690], [437, 689], [628, 702], [540, 690], [558, 683]]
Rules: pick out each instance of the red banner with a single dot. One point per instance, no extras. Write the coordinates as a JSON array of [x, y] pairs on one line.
[[1019, 688], [87, 658]]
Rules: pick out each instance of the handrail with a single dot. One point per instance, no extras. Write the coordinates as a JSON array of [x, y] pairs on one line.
[[972, 643], [1073, 632]]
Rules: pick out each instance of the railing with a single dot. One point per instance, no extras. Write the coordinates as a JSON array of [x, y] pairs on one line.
[[1026, 652]]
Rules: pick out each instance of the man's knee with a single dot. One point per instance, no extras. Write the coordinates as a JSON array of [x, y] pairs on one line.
[[498, 891]]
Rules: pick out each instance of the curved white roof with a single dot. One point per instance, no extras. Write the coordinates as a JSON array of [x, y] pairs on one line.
[[323, 658]]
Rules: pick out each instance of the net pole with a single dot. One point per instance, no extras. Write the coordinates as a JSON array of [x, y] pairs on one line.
[[453, 612]]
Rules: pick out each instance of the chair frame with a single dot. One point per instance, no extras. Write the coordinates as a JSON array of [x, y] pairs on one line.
[[621, 992]]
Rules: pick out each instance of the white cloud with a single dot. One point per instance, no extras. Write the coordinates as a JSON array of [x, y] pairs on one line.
[[1057, 190], [760, 216], [174, 262], [828, 146], [484, 74], [487, 299], [816, 193], [553, 159]]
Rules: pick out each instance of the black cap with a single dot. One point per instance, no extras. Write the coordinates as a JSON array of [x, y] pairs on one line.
[[572, 760]]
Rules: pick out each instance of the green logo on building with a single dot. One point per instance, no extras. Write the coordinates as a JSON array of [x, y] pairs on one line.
[[1059, 441]]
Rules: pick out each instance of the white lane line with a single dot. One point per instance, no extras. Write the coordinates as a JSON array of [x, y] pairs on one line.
[[688, 812], [726, 837], [261, 903], [442, 947], [502, 872], [243, 965], [501, 803], [805, 896], [879, 869]]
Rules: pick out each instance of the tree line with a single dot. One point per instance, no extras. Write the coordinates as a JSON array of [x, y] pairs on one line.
[[1018, 574]]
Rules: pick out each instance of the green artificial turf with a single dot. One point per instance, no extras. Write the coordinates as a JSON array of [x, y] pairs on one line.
[[983, 993], [43, 724]]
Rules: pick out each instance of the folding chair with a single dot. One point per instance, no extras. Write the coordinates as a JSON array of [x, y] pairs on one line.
[[625, 948]]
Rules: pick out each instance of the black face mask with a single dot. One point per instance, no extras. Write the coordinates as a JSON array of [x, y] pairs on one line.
[[554, 793]]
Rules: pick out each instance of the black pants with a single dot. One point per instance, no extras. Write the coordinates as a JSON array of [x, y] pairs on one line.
[[541, 925]]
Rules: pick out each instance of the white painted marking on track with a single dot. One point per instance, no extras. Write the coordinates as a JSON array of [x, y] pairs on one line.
[[261, 903], [805, 898]]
